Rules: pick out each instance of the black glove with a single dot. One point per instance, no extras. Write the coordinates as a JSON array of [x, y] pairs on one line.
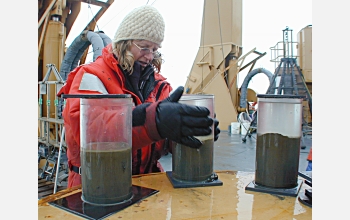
[[216, 128], [176, 95], [180, 122]]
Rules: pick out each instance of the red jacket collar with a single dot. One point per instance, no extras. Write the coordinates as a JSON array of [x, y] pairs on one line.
[[109, 59]]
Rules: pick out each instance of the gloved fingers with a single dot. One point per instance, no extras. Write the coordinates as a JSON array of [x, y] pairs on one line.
[[216, 122], [216, 137], [195, 131], [202, 122], [176, 95], [192, 110], [191, 141], [216, 129]]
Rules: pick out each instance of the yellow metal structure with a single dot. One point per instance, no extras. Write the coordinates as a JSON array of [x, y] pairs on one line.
[[229, 201], [219, 59], [304, 52], [215, 67], [304, 59]]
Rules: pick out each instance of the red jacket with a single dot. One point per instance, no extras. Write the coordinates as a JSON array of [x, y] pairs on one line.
[[147, 146]]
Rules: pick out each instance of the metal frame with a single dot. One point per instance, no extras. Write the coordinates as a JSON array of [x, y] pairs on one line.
[[45, 120]]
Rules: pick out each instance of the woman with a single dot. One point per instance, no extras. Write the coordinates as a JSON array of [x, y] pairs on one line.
[[131, 65]]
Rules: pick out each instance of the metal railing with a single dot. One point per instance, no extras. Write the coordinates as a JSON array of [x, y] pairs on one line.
[[285, 48]]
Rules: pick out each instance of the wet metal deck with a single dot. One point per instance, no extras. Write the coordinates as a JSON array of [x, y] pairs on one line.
[[228, 201]]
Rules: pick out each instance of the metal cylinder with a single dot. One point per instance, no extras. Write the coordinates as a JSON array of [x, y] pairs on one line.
[[105, 140], [189, 164], [278, 140]]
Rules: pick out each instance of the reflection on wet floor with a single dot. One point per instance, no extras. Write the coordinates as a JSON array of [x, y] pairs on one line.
[[228, 201]]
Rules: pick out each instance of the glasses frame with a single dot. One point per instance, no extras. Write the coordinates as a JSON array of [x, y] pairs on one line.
[[146, 51]]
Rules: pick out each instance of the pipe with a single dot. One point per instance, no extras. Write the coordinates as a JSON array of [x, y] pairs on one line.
[[244, 87], [96, 42], [106, 40], [46, 13], [72, 56], [42, 34], [76, 49]]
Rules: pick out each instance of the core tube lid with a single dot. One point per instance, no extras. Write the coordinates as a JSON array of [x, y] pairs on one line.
[[95, 96], [280, 96]]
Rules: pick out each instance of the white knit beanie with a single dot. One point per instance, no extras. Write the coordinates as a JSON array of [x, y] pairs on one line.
[[142, 23]]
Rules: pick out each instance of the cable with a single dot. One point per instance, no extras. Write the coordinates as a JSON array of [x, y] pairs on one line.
[[202, 35], [116, 15], [93, 16], [222, 49]]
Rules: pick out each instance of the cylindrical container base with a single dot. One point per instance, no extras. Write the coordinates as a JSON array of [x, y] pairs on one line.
[[104, 203], [190, 164], [277, 161]]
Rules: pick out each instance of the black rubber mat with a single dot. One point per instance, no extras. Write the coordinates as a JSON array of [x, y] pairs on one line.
[[74, 204]]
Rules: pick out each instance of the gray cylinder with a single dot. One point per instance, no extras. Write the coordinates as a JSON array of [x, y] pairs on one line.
[[278, 140]]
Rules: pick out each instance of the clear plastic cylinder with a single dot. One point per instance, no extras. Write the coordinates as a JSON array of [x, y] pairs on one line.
[[190, 164], [105, 153], [279, 130]]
